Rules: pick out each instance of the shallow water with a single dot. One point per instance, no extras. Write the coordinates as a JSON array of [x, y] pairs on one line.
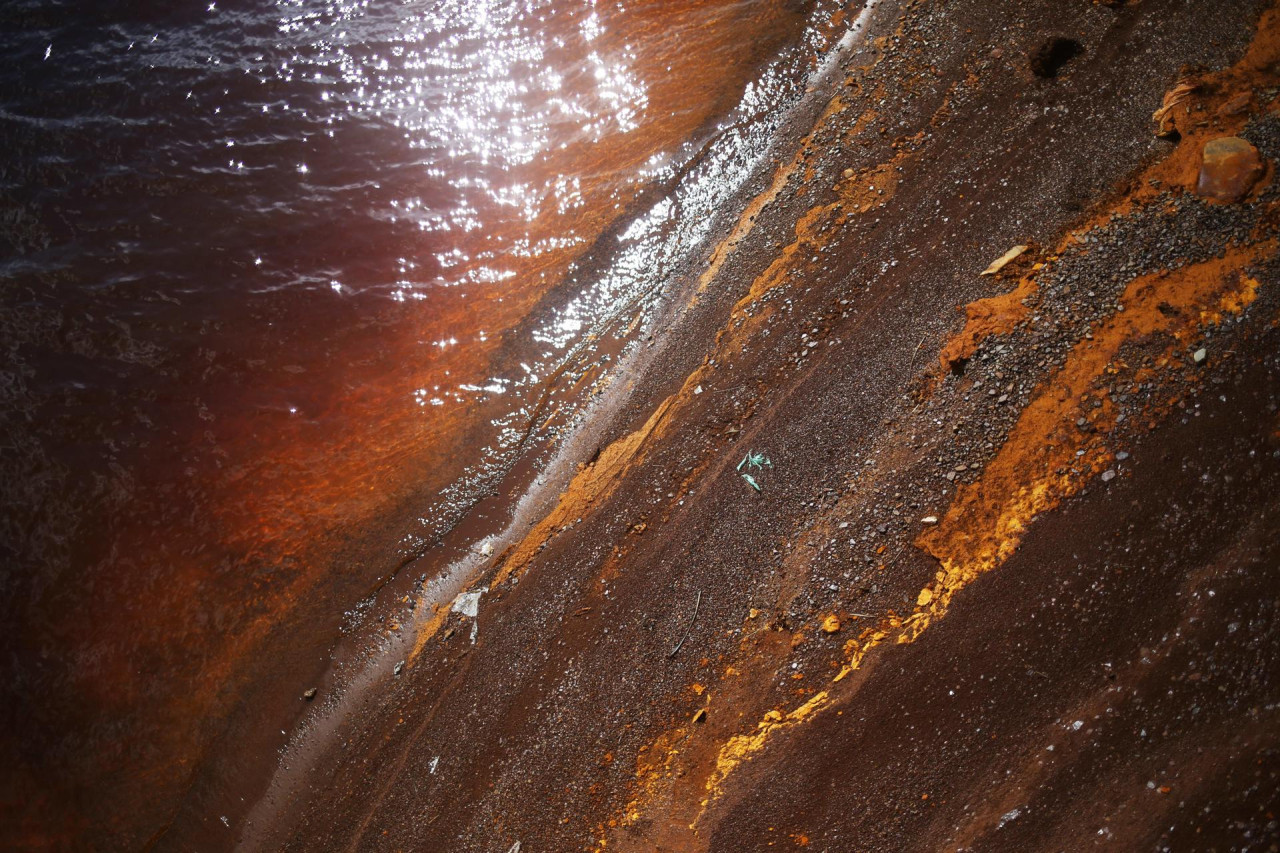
[[288, 289]]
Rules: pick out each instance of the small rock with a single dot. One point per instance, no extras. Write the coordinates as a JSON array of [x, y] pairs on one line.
[[399, 667], [929, 519], [848, 173], [1199, 355], [1122, 455], [310, 694], [831, 624], [1237, 105], [697, 389], [1230, 167], [1108, 475]]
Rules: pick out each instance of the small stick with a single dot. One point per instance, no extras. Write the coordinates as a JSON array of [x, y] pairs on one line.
[[696, 605]]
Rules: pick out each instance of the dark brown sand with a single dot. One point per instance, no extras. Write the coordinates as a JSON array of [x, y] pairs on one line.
[[1009, 579]]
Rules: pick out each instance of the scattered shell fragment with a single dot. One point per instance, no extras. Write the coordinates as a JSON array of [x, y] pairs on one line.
[[468, 603], [1163, 117], [1003, 261]]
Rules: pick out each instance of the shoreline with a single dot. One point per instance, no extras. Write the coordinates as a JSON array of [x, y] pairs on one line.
[[663, 646], [408, 606]]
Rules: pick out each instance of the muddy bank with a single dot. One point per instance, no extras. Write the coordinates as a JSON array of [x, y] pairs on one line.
[[1000, 572]]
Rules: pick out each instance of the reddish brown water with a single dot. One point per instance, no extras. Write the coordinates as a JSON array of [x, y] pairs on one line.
[[289, 288]]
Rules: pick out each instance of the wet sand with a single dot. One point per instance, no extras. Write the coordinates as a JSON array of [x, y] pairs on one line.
[[1002, 577], [1007, 578]]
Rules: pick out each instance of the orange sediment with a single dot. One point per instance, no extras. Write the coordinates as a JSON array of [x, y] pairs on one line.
[[1038, 466], [1046, 457]]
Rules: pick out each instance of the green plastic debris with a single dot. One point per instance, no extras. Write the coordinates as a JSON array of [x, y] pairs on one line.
[[756, 461]]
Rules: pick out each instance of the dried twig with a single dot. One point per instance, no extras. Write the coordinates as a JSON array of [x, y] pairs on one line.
[[915, 352], [696, 604]]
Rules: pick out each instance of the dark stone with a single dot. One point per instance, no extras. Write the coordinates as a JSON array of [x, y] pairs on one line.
[[1047, 59]]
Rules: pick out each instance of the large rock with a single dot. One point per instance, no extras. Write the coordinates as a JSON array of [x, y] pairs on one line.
[[1230, 167]]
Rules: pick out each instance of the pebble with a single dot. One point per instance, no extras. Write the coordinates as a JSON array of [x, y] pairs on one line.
[[310, 694], [1230, 167], [1108, 476], [1199, 355], [1237, 105]]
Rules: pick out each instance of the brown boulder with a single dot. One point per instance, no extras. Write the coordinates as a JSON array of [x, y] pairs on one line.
[[1230, 167]]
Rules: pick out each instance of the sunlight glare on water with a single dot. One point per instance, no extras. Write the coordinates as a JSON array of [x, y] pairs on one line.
[[292, 287], [487, 100]]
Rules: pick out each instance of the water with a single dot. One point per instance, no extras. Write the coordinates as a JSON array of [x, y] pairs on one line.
[[289, 291]]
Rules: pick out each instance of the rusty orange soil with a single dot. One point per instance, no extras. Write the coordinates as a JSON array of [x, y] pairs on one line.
[[1002, 577]]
